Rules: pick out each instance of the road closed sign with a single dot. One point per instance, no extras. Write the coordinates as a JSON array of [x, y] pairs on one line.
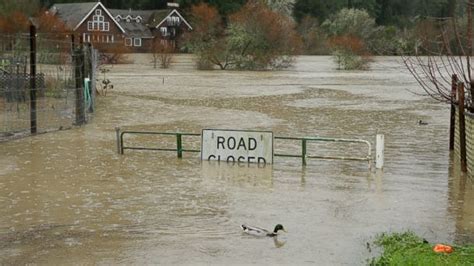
[[237, 146]]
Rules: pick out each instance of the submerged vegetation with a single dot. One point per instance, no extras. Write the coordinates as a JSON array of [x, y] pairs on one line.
[[409, 249]]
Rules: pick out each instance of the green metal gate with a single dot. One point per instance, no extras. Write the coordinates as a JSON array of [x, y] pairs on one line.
[[304, 141]]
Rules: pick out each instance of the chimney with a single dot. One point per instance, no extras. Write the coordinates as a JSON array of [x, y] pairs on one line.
[[172, 4]]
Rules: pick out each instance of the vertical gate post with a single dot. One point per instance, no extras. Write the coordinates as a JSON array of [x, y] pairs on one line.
[[33, 125], [379, 151], [303, 151], [117, 135], [454, 82], [179, 145], [462, 127]]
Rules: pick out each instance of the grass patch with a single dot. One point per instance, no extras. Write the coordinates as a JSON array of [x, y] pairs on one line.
[[409, 249]]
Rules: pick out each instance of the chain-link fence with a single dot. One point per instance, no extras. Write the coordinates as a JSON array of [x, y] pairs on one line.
[[47, 83]]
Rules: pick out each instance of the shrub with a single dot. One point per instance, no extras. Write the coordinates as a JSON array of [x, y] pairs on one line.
[[350, 53], [208, 33], [256, 38], [163, 53], [313, 37], [350, 30], [261, 38], [355, 22], [112, 54]]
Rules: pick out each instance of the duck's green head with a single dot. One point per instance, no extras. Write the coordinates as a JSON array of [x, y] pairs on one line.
[[278, 227]]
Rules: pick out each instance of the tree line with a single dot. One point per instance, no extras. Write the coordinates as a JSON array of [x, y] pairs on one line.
[[398, 13], [257, 34]]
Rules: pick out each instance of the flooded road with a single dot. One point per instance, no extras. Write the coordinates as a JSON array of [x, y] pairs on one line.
[[67, 197]]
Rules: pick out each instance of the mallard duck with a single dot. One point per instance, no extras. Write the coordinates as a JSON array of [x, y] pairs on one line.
[[257, 231]]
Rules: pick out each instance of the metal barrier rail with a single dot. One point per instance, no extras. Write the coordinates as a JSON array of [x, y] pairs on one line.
[[179, 143], [304, 141], [304, 155]]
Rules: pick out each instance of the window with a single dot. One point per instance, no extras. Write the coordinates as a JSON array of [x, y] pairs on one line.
[[173, 21], [137, 42], [128, 41], [98, 22], [164, 31]]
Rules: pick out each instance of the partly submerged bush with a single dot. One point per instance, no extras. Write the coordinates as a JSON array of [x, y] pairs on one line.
[[347, 60], [350, 53], [350, 31]]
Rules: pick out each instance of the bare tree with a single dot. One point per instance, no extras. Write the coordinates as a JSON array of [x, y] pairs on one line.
[[162, 53], [445, 55]]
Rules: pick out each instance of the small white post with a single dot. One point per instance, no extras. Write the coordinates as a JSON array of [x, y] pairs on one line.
[[379, 151]]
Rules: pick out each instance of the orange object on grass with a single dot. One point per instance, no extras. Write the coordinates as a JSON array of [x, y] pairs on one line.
[[440, 248]]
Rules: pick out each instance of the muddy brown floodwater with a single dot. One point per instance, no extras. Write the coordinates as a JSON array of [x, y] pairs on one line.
[[67, 197]]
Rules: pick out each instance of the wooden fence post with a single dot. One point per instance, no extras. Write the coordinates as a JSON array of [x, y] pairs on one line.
[[454, 82], [33, 125], [462, 127]]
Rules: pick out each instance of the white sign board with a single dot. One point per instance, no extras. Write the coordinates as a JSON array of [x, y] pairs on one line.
[[237, 146]]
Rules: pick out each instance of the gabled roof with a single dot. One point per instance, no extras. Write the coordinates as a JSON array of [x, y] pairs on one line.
[[74, 14], [158, 16], [123, 13], [169, 15], [134, 29]]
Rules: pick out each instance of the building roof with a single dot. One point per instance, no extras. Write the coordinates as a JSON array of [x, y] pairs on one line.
[[173, 12], [72, 13], [158, 16], [134, 29], [144, 14]]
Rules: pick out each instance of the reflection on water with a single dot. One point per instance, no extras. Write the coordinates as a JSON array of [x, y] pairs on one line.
[[245, 174], [278, 243], [68, 196], [461, 197]]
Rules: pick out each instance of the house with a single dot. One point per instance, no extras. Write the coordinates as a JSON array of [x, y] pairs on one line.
[[136, 30]]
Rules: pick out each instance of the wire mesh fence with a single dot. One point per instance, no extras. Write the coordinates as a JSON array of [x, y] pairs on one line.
[[46, 84]]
